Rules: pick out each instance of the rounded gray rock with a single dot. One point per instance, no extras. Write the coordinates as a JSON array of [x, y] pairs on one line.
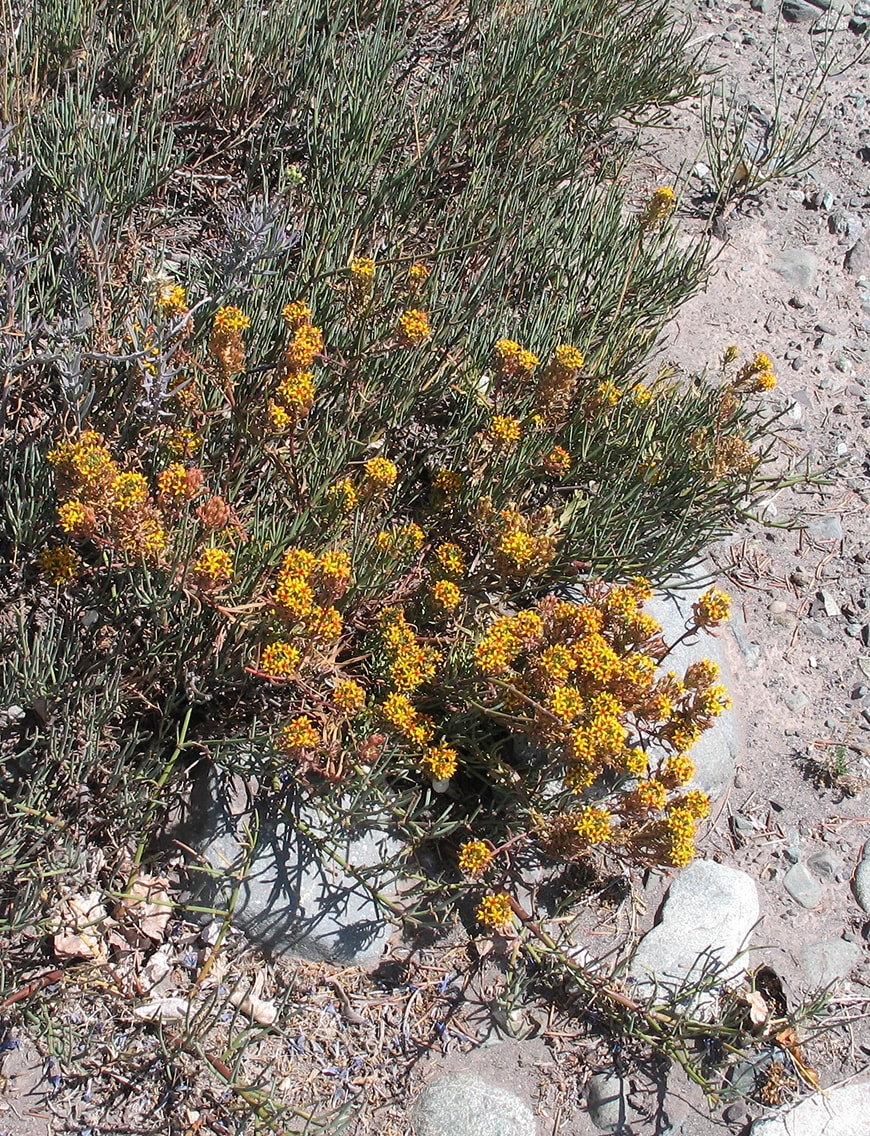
[[861, 884], [708, 916], [803, 886], [459, 1104], [829, 961], [605, 1101]]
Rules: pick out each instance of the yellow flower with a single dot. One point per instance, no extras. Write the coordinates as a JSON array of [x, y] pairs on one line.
[[641, 395], [568, 357], [73, 516], [609, 394], [557, 462], [60, 564], [129, 490], [172, 482], [679, 769], [681, 829], [184, 442], [513, 359], [229, 321], [335, 567], [381, 472], [659, 207], [296, 314], [280, 659], [349, 696], [712, 608], [279, 419], [518, 547], [325, 623], [651, 795], [305, 346], [446, 595], [294, 596], [558, 662], [504, 431], [449, 481], [413, 328], [296, 391], [441, 761], [495, 912], [594, 826], [566, 703], [299, 733], [362, 268], [418, 274], [298, 562], [172, 301], [450, 559], [474, 857], [343, 494], [215, 565]]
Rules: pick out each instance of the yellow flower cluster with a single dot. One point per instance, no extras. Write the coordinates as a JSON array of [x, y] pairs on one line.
[[513, 360], [225, 343], [101, 502], [214, 567], [299, 733], [447, 481], [407, 720], [659, 207], [343, 494], [60, 565], [712, 608], [450, 559], [401, 541], [755, 376], [412, 328], [178, 482], [296, 314], [557, 462], [307, 588], [349, 696], [594, 825], [440, 761], [445, 595], [411, 662], [520, 544], [581, 680], [295, 392], [418, 274], [558, 381], [495, 912], [381, 473], [361, 283], [280, 659], [504, 432], [474, 857], [172, 301]]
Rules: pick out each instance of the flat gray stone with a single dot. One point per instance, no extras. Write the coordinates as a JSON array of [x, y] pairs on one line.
[[842, 1111], [826, 528], [857, 259], [797, 266], [803, 886], [605, 1101], [294, 898], [826, 864], [861, 881], [828, 961], [459, 1104], [709, 913]]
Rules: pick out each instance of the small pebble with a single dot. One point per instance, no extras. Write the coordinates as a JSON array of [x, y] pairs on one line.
[[777, 607]]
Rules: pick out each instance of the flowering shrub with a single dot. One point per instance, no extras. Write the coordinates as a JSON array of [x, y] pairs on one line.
[[415, 623]]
